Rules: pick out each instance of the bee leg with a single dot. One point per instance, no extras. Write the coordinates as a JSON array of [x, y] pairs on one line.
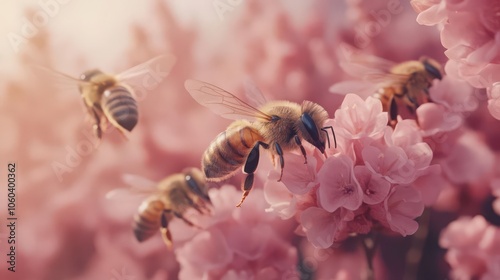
[[97, 124], [188, 222], [325, 130], [279, 151], [198, 206], [393, 112], [165, 233], [246, 187], [302, 150], [249, 168]]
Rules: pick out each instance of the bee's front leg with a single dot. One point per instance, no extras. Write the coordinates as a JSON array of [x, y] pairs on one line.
[[302, 150], [279, 151]]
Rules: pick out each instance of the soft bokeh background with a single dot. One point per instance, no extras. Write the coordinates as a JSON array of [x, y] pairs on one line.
[[67, 229]]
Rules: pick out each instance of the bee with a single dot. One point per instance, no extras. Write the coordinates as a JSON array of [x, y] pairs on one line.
[[400, 85], [110, 98], [278, 126], [170, 199], [410, 84]]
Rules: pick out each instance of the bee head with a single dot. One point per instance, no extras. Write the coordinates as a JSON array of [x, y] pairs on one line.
[[87, 75], [310, 124], [197, 183], [432, 67]]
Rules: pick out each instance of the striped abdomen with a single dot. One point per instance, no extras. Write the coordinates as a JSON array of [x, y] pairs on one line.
[[120, 107], [229, 150], [147, 222]]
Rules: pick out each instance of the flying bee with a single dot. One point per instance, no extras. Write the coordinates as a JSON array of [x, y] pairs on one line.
[[111, 98], [405, 84], [278, 126], [171, 198], [410, 83]]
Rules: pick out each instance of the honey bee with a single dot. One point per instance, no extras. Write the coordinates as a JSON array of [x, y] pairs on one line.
[[410, 83], [111, 98], [278, 126], [405, 84], [170, 199]]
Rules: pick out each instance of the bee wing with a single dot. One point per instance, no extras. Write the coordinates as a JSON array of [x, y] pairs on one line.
[[58, 79], [367, 67], [222, 102], [149, 74], [361, 88], [253, 93], [137, 187]]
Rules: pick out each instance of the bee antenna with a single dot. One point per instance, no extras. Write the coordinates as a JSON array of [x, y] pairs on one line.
[[325, 130]]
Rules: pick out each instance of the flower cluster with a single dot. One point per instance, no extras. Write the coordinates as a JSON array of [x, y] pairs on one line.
[[235, 243], [471, 35], [376, 179], [473, 248]]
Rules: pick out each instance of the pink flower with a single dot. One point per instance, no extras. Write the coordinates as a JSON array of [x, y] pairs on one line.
[[282, 202], [469, 160], [471, 35], [473, 248], [357, 118], [389, 162], [494, 101], [402, 206], [431, 12], [338, 186], [298, 177], [320, 226], [375, 188], [236, 242]]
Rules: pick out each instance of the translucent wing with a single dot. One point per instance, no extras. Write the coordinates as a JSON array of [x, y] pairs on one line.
[[222, 102], [361, 88], [137, 187], [368, 67], [253, 93], [149, 74], [55, 78]]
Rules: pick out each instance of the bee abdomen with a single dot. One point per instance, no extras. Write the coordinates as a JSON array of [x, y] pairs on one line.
[[228, 152], [121, 106], [147, 222]]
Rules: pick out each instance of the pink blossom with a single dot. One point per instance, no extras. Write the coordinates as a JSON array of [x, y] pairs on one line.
[[431, 12], [375, 188], [234, 237], [320, 226], [471, 34], [339, 188], [473, 249], [494, 101], [357, 118], [298, 177], [281, 201], [403, 205], [469, 160]]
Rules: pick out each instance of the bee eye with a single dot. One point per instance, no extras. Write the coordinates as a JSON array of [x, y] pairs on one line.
[[310, 126], [432, 70]]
